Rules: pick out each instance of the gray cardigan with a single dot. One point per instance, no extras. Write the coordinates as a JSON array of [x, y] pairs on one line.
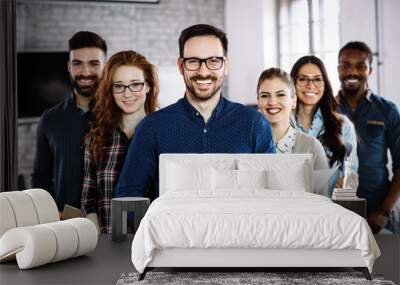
[[307, 144]]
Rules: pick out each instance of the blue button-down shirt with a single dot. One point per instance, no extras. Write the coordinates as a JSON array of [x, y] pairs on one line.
[[180, 128], [377, 122]]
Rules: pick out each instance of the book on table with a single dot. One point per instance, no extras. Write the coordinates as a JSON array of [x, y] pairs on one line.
[[344, 190], [344, 194]]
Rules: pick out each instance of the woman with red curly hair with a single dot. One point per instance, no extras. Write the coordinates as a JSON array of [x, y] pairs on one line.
[[127, 92]]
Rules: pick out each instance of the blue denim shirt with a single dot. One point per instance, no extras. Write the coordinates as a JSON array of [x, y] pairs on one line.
[[377, 122], [348, 135], [180, 128]]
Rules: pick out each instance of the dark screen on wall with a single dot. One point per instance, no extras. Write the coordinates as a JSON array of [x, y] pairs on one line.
[[43, 81]]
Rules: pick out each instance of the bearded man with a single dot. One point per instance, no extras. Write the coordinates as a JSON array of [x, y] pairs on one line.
[[203, 121], [58, 164]]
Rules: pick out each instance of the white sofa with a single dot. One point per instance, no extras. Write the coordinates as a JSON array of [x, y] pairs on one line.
[[31, 231]]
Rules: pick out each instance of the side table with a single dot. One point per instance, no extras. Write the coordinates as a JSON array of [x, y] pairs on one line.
[[119, 214], [357, 205]]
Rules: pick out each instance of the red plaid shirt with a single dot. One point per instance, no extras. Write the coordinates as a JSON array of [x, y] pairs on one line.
[[100, 179]]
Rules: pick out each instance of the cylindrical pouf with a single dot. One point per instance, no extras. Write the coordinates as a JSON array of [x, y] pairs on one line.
[[67, 240], [34, 246], [23, 208], [46, 208], [7, 218], [87, 235]]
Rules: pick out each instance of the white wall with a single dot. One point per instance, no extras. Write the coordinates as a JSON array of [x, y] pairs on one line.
[[357, 22], [270, 33], [390, 50], [251, 28], [245, 24], [172, 86]]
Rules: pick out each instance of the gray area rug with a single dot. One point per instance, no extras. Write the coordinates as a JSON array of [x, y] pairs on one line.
[[269, 278]]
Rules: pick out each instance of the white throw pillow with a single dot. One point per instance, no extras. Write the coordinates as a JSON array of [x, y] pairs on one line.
[[183, 177], [236, 179], [251, 178], [292, 179], [255, 163], [199, 161], [223, 179], [283, 172], [189, 174]]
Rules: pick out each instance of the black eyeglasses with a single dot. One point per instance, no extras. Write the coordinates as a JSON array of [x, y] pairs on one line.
[[212, 63], [303, 81], [118, 88]]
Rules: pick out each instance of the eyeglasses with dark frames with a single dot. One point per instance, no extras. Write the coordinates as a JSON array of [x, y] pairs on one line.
[[212, 63], [118, 88], [303, 81]]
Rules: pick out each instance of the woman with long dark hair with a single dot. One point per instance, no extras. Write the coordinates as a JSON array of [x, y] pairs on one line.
[[127, 92], [316, 115]]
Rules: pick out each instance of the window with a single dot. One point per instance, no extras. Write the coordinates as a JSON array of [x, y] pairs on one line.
[[309, 27]]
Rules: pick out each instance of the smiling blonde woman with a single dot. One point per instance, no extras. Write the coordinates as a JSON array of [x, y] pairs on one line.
[[276, 101]]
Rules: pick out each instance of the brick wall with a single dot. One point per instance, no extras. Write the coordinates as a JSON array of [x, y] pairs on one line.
[[152, 29]]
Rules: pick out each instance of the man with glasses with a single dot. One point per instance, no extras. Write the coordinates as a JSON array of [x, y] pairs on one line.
[[201, 122], [377, 123], [58, 164]]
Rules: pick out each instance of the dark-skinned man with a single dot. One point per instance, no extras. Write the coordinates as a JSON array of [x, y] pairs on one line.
[[377, 123]]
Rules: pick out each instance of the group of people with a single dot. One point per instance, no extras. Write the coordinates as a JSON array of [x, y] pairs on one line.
[[105, 139]]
